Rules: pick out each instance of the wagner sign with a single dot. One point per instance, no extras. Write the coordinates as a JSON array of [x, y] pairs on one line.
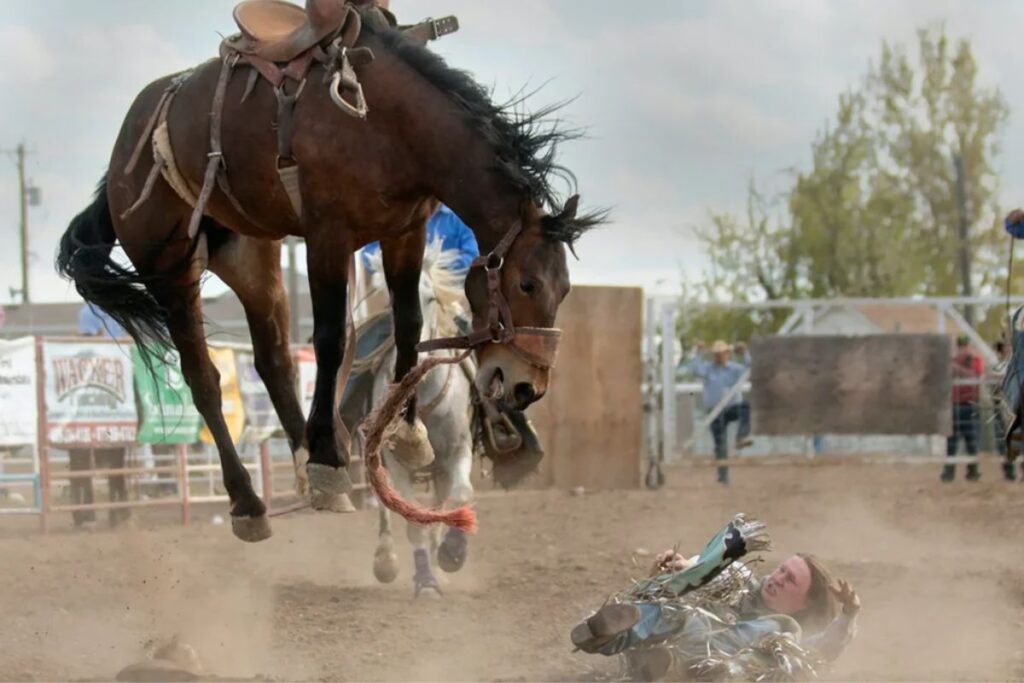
[[90, 398]]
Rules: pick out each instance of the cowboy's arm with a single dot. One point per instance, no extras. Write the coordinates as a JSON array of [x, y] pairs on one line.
[[742, 355], [468, 248], [697, 366], [831, 642]]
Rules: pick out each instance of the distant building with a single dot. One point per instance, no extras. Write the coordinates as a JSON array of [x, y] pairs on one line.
[[878, 318]]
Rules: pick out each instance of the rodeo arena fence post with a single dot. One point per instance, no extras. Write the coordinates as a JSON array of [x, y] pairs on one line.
[[78, 410], [909, 339]]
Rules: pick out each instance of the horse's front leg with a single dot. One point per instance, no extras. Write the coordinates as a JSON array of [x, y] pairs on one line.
[[403, 264], [327, 258]]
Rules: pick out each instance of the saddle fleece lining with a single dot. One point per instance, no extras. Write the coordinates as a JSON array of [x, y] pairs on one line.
[[162, 150]]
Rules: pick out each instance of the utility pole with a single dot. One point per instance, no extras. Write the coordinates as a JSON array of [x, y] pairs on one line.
[[964, 234], [19, 153], [28, 195]]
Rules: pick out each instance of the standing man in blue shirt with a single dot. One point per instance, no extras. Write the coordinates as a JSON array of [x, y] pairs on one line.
[[720, 375]]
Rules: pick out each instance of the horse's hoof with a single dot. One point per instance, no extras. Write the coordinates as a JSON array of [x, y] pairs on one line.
[[251, 529], [329, 488], [451, 554], [331, 502], [385, 562], [424, 577], [422, 583], [409, 444]]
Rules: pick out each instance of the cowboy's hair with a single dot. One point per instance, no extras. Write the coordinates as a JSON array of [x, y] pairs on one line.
[[822, 605]]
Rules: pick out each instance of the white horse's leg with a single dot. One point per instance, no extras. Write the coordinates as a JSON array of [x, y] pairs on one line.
[[453, 476], [385, 559], [418, 535]]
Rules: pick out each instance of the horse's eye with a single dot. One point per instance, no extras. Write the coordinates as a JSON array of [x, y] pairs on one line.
[[528, 287]]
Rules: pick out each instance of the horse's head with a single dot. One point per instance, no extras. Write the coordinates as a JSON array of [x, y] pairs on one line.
[[533, 279]]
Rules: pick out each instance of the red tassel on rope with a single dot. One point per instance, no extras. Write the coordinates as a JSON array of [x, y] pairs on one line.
[[461, 518]]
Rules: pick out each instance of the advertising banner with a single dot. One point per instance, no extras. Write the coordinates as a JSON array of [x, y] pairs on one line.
[[260, 417], [231, 398], [168, 414], [19, 418], [90, 395]]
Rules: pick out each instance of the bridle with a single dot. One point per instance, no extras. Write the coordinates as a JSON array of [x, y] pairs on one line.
[[537, 346]]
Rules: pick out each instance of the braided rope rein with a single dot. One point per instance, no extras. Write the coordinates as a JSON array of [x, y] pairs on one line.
[[374, 429]]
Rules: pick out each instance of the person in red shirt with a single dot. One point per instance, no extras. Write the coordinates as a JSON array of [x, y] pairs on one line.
[[968, 371]]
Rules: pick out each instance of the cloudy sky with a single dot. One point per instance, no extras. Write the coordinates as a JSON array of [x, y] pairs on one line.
[[684, 101]]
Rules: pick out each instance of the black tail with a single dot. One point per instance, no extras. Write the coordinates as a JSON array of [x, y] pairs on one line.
[[84, 258]]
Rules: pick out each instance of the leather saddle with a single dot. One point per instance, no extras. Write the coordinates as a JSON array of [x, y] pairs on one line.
[[280, 31]]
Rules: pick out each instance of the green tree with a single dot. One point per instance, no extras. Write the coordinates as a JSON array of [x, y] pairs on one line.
[[877, 212]]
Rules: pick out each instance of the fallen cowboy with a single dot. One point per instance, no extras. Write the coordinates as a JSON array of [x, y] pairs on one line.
[[710, 618]]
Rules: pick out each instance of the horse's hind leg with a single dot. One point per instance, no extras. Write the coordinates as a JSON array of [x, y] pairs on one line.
[[155, 239], [185, 324], [252, 268]]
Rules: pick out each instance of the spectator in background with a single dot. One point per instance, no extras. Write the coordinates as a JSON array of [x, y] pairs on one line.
[[443, 225], [719, 376], [968, 371], [999, 426], [94, 322], [453, 233]]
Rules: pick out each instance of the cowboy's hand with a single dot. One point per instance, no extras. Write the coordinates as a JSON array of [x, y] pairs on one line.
[[698, 346], [741, 349], [669, 561], [847, 597]]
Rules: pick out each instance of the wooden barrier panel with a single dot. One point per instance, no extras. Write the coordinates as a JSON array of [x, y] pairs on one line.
[[874, 384], [591, 419]]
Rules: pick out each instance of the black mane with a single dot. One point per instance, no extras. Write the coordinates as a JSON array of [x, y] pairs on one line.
[[526, 142]]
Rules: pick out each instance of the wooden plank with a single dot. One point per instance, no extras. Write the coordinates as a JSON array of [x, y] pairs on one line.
[[590, 421], [873, 384]]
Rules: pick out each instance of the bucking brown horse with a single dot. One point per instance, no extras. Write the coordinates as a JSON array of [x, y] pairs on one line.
[[374, 129]]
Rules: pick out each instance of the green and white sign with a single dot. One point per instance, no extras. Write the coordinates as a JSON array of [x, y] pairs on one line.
[[166, 411]]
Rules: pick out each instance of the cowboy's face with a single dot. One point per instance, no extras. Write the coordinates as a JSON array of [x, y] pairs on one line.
[[785, 589]]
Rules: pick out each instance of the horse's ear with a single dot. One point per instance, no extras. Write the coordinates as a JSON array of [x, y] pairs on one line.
[[569, 210]]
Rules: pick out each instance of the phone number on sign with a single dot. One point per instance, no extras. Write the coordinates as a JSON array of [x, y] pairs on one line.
[[92, 434]]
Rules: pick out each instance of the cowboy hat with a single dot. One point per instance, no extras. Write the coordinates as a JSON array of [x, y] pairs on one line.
[[720, 347]]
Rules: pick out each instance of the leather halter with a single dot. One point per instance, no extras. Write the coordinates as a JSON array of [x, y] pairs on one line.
[[538, 346]]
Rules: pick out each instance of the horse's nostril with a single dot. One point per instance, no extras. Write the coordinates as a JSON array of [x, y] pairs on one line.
[[524, 394]]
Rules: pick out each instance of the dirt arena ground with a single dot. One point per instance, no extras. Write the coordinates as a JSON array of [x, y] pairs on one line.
[[939, 569]]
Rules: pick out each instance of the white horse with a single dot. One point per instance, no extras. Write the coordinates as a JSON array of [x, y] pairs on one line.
[[445, 405]]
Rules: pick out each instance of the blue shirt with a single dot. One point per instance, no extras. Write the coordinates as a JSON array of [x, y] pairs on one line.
[[718, 379], [453, 233], [95, 322]]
